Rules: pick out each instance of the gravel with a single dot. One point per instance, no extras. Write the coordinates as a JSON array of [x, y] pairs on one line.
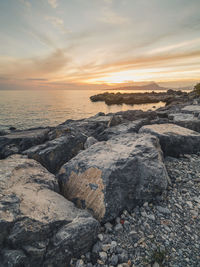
[[164, 233]]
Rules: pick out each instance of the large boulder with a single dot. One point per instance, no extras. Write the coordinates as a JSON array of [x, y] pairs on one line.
[[53, 154], [39, 227], [195, 109], [115, 175], [186, 120], [18, 141], [174, 139]]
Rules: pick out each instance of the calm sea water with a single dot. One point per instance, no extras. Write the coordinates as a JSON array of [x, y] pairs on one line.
[[27, 109]]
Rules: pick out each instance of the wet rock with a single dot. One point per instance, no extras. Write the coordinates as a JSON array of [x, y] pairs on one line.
[[53, 154], [19, 141], [113, 175], [174, 139], [38, 226]]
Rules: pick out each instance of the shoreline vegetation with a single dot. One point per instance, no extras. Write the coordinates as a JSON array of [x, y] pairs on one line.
[[118, 189]]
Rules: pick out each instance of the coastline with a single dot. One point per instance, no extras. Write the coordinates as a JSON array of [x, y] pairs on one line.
[[119, 169]]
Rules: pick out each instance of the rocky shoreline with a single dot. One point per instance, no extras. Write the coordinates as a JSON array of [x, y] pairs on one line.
[[111, 190], [140, 98]]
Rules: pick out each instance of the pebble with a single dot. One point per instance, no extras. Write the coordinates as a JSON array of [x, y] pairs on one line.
[[169, 227]]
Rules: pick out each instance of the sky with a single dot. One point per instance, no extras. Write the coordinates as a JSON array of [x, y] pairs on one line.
[[88, 44]]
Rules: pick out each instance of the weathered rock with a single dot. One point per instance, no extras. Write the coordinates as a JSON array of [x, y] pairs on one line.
[[132, 115], [92, 126], [128, 127], [115, 120], [53, 154], [89, 142], [113, 175], [174, 139], [191, 109], [186, 120], [19, 141], [39, 227]]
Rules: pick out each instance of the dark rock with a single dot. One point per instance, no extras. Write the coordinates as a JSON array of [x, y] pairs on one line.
[[138, 98], [115, 120], [129, 127], [126, 170], [12, 128], [174, 139], [19, 141], [53, 154], [38, 226], [132, 115]]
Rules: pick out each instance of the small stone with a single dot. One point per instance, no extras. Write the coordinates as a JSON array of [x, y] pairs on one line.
[[156, 264], [163, 210], [108, 227], [151, 217], [114, 260], [100, 236], [106, 247], [103, 255], [118, 227], [79, 263], [113, 244]]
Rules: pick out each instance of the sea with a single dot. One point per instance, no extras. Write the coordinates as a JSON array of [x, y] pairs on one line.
[[24, 109]]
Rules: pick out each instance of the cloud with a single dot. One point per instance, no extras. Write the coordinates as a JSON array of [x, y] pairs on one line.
[[41, 37], [44, 67], [53, 3], [58, 23], [111, 17], [25, 3], [37, 79]]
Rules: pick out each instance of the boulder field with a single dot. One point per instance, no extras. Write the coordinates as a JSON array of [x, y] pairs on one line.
[[58, 184], [39, 227]]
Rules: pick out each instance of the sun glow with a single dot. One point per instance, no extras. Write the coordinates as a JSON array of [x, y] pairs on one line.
[[127, 76]]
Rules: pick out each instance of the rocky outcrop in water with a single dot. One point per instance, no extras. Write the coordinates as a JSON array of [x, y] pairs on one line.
[[139, 98], [38, 226]]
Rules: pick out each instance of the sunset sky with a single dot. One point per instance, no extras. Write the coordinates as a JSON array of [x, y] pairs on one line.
[[94, 43]]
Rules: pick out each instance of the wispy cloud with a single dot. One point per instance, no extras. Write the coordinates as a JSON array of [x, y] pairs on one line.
[[43, 67], [58, 23], [53, 3], [111, 17]]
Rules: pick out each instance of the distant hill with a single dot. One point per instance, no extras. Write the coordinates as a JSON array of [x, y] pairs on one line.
[[151, 86]]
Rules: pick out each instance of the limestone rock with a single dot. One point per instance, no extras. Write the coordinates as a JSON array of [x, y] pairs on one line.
[[39, 227], [18, 141], [115, 175], [53, 154], [174, 139]]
